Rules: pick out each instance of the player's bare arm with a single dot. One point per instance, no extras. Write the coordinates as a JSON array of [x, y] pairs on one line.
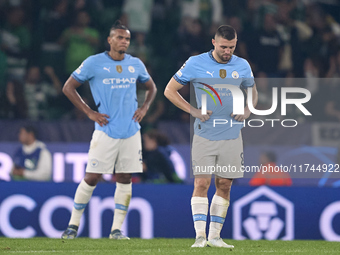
[[150, 94], [70, 90], [171, 93], [247, 112]]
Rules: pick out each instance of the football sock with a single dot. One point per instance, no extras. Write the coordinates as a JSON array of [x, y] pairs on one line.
[[81, 198], [122, 200], [218, 211], [199, 207]]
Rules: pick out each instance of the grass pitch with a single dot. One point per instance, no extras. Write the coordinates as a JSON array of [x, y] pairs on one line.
[[160, 246]]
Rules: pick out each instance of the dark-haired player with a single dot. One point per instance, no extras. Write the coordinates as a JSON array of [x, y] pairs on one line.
[[116, 141], [214, 147]]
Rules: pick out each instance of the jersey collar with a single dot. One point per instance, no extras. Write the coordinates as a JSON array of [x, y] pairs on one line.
[[212, 57], [108, 55]]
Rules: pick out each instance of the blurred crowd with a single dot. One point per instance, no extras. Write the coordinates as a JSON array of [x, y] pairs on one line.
[[43, 42]]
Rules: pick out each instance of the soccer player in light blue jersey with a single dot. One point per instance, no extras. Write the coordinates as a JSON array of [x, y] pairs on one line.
[[116, 141], [217, 148]]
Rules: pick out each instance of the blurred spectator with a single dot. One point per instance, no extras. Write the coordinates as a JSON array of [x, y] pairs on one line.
[[79, 5], [270, 177], [294, 34], [250, 14], [191, 38], [3, 70], [265, 7], [103, 13], [139, 49], [15, 42], [266, 50], [311, 72], [323, 41], [138, 15], [162, 38], [209, 12], [80, 42], [200, 19], [284, 27], [334, 66], [14, 105], [39, 92], [53, 22], [32, 161], [331, 92], [157, 164], [241, 49]]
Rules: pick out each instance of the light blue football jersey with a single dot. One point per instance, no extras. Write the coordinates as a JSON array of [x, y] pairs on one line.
[[113, 87], [203, 71]]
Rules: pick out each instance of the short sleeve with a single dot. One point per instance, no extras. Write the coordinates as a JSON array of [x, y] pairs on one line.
[[184, 74], [248, 79], [143, 75], [84, 72]]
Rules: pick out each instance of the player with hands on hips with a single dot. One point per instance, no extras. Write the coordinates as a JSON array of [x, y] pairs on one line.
[[116, 141]]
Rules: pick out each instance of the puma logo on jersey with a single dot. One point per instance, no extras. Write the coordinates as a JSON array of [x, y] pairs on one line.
[[107, 69], [211, 73]]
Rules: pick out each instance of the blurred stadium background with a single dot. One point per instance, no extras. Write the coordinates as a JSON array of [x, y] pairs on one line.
[[287, 41]]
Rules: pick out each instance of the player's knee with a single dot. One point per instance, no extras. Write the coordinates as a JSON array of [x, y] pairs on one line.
[[223, 185], [92, 179], [202, 184], [123, 178], [225, 190]]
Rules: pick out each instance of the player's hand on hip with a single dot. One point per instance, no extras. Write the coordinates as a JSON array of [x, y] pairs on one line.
[[139, 114], [196, 113], [100, 118], [241, 117]]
